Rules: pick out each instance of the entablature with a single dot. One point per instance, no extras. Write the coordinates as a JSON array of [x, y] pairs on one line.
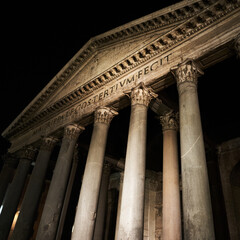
[[213, 25], [157, 20]]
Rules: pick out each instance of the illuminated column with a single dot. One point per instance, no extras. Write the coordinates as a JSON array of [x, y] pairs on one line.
[[102, 203], [88, 199], [68, 192], [171, 212], [14, 192], [197, 210], [29, 205], [132, 205], [52, 209]]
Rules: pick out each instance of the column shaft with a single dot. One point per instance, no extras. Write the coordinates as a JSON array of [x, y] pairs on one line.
[[52, 209], [119, 203], [14, 192], [197, 211], [171, 212], [132, 203], [102, 203], [88, 199], [68, 194], [6, 175], [23, 228]]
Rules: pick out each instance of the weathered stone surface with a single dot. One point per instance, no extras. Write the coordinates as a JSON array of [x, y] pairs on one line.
[[24, 225], [197, 210], [14, 191], [132, 202], [119, 59], [143, 51], [52, 209], [88, 200], [171, 212]]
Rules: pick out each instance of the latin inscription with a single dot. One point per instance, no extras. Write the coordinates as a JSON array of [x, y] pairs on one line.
[[122, 83], [73, 112]]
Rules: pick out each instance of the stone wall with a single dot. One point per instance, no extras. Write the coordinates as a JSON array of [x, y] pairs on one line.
[[152, 206], [229, 165]]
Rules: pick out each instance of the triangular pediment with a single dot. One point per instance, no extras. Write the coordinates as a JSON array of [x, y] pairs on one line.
[[108, 56], [104, 58]]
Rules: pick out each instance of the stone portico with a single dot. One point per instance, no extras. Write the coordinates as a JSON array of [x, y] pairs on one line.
[[101, 187]]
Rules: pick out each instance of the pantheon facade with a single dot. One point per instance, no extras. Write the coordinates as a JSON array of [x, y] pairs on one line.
[[114, 146]]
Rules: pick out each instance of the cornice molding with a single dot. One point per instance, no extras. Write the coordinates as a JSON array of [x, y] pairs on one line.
[[198, 16]]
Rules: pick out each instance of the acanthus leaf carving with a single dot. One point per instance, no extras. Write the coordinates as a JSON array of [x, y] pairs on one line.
[[28, 153], [48, 143], [104, 115], [141, 94], [169, 121], [72, 131], [187, 72]]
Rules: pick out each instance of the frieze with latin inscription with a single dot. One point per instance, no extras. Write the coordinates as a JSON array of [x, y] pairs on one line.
[[151, 70], [74, 112]]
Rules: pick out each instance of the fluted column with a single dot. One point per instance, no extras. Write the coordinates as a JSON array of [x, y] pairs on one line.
[[23, 228], [197, 211], [88, 199], [102, 203], [171, 212], [132, 205], [14, 191], [52, 209]]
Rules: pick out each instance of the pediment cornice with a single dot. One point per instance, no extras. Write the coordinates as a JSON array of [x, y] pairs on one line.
[[192, 17]]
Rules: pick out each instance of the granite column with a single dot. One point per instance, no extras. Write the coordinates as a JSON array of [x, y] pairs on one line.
[[87, 205], [119, 202], [132, 202], [171, 212], [197, 210], [102, 203], [53, 205], [7, 173], [23, 228], [14, 191]]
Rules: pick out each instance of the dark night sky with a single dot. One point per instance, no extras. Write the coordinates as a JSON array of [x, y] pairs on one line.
[[38, 40]]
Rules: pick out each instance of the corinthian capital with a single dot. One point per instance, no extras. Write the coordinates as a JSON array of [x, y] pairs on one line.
[[188, 71], [48, 143], [141, 95], [169, 121], [72, 131], [28, 152], [104, 115]]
